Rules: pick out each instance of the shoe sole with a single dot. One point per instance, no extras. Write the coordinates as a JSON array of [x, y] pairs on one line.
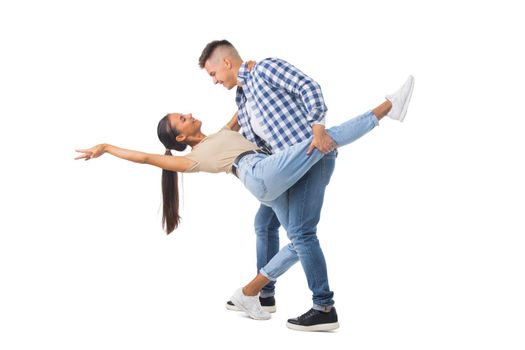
[[270, 309], [323, 327], [407, 102], [239, 305]]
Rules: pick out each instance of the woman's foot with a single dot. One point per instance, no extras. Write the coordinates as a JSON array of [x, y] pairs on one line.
[[267, 304], [400, 100], [250, 304]]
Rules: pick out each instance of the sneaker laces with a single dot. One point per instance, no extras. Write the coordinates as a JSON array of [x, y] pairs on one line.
[[254, 303], [307, 314]]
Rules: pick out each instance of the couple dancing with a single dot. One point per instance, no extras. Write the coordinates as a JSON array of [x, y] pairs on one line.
[[284, 156]]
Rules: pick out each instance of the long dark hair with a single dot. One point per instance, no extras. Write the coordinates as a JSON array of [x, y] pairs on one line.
[[170, 180]]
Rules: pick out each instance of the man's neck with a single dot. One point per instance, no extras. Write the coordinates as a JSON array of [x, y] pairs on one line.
[[236, 69]]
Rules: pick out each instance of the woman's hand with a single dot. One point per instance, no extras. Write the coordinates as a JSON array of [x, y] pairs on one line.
[[250, 65], [93, 152]]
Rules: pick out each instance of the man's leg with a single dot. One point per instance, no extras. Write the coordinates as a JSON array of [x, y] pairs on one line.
[[247, 298], [299, 211], [267, 242], [266, 227], [305, 201]]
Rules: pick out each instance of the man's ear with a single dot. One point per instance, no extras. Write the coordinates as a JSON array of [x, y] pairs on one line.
[[180, 138], [228, 63]]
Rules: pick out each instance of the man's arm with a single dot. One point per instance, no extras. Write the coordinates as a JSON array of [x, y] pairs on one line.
[[322, 141], [285, 76]]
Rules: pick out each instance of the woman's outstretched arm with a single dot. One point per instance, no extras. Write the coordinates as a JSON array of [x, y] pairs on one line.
[[172, 163]]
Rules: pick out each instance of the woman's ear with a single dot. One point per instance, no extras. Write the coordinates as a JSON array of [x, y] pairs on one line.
[[180, 138]]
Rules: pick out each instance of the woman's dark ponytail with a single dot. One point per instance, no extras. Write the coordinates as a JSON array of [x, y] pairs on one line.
[[170, 199], [170, 180]]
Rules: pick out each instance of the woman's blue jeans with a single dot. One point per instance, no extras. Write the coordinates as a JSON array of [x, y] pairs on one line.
[[267, 177]]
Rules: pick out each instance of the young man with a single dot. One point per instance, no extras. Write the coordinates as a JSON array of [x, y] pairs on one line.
[[278, 106]]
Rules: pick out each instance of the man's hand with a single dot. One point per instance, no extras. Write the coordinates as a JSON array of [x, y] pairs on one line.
[[322, 141]]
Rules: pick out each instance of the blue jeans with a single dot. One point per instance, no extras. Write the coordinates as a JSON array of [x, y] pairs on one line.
[[267, 242], [299, 211], [267, 177], [299, 208]]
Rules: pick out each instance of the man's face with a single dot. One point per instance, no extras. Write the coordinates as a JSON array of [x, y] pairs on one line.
[[221, 73]]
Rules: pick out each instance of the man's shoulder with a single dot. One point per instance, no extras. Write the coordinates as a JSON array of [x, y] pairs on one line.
[[272, 61]]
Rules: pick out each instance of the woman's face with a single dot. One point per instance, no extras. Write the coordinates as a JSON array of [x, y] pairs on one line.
[[185, 124]]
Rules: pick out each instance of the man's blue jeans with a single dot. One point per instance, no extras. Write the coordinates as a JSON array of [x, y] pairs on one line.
[[299, 211], [267, 242]]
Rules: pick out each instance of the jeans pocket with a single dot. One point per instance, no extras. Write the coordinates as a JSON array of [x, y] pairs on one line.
[[255, 185]]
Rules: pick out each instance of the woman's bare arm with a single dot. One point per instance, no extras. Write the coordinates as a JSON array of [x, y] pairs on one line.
[[172, 163], [233, 124]]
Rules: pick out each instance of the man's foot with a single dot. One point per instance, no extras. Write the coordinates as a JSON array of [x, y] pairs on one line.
[[268, 305], [314, 320], [400, 100], [250, 305]]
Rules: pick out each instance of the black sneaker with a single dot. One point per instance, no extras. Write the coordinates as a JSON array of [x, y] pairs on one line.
[[314, 320], [268, 305]]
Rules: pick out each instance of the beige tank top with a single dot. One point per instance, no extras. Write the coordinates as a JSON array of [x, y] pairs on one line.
[[216, 153]]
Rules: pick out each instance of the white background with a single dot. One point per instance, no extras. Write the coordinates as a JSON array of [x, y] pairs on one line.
[[422, 225]]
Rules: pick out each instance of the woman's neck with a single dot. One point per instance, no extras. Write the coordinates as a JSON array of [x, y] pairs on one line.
[[195, 140]]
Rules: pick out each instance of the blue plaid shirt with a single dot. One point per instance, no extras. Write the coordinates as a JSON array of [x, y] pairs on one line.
[[287, 101]]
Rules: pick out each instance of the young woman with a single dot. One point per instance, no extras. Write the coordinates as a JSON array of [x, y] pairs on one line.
[[265, 175]]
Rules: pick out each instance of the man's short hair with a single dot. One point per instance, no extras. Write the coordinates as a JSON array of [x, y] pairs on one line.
[[208, 50]]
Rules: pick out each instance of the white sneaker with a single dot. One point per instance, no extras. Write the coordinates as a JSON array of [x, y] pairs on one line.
[[400, 100], [268, 305], [250, 305]]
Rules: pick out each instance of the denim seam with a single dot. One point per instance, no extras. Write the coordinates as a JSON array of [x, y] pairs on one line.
[[303, 203], [267, 253]]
